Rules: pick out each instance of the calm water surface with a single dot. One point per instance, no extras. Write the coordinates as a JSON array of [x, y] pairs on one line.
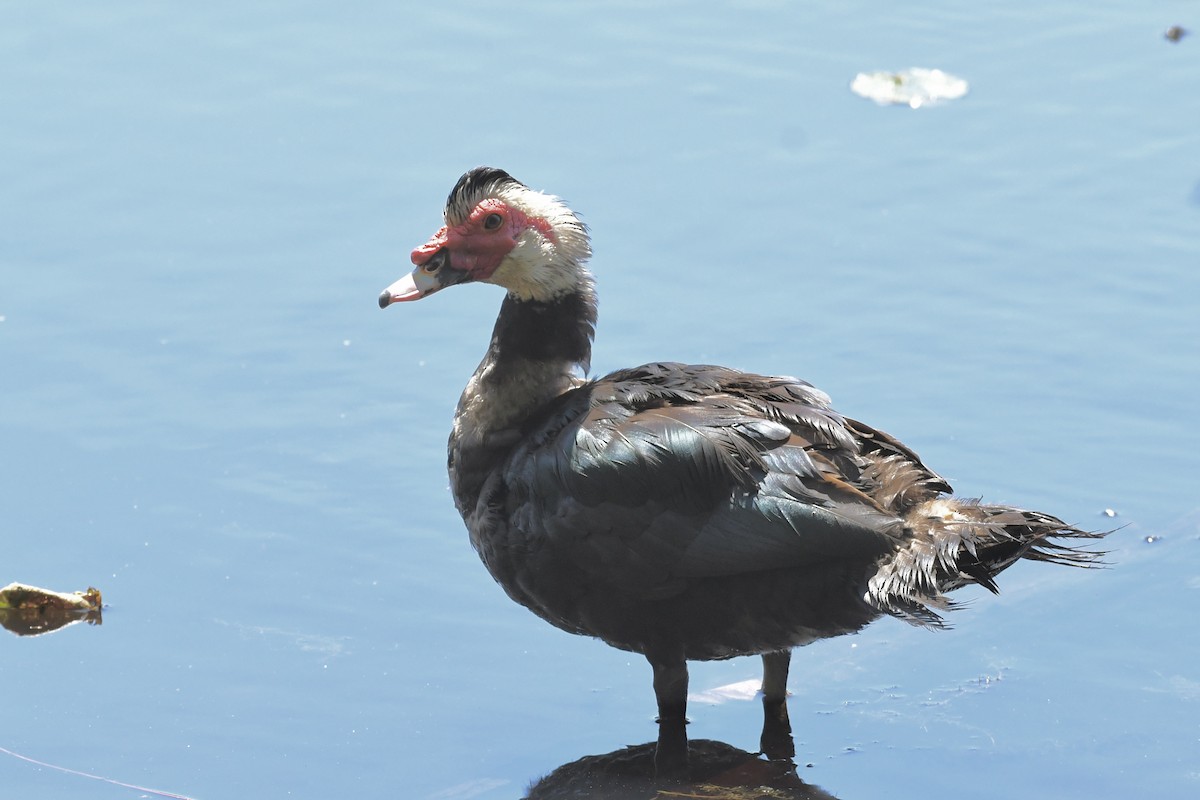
[[203, 413]]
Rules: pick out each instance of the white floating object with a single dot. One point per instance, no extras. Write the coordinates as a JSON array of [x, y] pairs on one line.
[[914, 87], [742, 690]]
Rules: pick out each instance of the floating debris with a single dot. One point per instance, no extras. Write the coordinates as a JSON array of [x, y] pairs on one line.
[[1174, 33], [31, 611], [742, 690], [914, 87]]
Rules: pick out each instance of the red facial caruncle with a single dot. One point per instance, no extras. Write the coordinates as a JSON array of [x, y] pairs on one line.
[[479, 243]]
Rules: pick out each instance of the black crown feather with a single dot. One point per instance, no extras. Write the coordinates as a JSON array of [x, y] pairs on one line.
[[472, 187]]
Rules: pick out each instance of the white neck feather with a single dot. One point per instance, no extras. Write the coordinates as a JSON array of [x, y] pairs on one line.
[[542, 267]]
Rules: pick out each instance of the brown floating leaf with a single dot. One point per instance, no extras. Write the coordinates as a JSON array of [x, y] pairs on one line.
[[30, 611]]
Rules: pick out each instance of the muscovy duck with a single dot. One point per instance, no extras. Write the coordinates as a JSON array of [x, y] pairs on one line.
[[684, 512]]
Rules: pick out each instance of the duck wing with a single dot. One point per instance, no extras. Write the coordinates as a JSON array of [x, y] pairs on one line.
[[657, 475]]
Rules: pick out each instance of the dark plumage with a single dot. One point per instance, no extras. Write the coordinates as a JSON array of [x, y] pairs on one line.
[[472, 185], [683, 511]]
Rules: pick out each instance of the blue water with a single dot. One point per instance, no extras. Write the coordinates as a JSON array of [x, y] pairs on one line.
[[203, 413]]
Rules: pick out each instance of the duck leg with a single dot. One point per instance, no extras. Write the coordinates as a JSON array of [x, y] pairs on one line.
[[775, 675], [670, 689], [776, 740]]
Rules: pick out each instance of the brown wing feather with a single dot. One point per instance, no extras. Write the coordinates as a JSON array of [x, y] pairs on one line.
[[697, 470]]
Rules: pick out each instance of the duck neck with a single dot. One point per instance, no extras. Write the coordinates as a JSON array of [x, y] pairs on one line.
[[539, 349]]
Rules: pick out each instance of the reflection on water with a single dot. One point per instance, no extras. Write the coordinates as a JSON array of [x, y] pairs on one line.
[[37, 621], [719, 771]]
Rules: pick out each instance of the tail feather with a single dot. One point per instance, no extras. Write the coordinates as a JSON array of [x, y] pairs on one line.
[[954, 542]]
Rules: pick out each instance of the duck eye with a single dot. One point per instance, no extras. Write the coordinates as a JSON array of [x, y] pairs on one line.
[[492, 221]]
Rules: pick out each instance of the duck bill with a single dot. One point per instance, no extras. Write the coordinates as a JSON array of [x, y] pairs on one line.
[[412, 286]]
